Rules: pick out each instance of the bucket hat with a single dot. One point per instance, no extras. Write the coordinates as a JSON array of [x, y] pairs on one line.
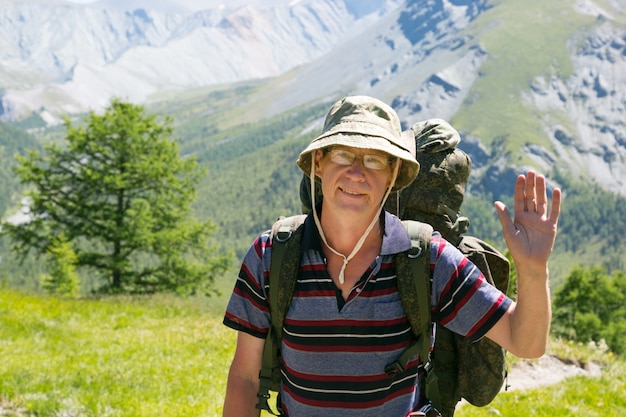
[[367, 123]]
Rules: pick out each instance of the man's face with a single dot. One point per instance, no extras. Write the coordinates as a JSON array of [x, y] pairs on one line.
[[354, 180]]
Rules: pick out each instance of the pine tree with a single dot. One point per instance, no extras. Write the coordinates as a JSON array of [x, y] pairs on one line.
[[121, 194]]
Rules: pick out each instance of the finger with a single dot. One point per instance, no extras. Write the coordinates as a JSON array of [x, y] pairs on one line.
[[530, 192], [519, 194], [508, 227], [555, 209], [542, 198]]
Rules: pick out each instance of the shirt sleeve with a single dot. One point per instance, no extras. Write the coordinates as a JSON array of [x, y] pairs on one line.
[[463, 301], [248, 309]]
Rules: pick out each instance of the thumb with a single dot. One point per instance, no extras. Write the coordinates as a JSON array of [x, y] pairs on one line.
[[505, 218]]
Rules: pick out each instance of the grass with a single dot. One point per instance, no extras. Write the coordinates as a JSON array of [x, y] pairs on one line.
[[160, 356], [167, 356]]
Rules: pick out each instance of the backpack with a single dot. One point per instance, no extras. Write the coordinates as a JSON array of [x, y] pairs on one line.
[[456, 364], [435, 197]]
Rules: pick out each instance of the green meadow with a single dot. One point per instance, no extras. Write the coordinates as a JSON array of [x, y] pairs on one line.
[[157, 356], [169, 356]]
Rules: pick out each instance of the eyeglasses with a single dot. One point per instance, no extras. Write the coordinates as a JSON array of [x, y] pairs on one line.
[[371, 161]]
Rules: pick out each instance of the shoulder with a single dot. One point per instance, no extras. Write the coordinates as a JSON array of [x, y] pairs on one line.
[[258, 250], [450, 267], [442, 250], [281, 231], [396, 238]]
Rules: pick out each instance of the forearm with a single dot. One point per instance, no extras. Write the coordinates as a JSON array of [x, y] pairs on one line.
[[530, 319], [243, 377], [241, 397], [530, 237]]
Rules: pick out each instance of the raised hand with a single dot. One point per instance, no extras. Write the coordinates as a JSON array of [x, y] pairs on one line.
[[530, 235]]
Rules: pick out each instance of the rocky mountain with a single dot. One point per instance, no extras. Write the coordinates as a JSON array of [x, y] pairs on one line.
[[59, 58], [529, 84]]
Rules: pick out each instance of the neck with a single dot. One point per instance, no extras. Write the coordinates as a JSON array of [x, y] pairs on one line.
[[343, 233]]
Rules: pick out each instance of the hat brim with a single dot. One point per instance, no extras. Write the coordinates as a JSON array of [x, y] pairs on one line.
[[408, 169]]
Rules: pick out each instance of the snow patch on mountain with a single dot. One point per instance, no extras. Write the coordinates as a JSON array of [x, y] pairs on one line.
[[62, 57]]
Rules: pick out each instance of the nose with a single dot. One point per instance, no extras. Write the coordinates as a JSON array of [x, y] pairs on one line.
[[358, 166]]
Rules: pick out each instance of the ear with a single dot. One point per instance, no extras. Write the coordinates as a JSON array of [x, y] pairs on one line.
[[395, 171], [317, 158]]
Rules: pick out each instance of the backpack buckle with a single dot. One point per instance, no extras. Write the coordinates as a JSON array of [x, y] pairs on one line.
[[426, 410], [424, 368], [394, 368], [283, 236], [414, 252], [263, 402], [264, 405]]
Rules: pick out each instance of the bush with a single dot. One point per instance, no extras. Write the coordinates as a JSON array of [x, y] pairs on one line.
[[591, 306]]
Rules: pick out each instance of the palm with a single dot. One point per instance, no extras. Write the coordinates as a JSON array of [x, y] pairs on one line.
[[530, 235]]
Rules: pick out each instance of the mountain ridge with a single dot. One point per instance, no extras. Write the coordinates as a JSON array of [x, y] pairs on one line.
[[528, 85]]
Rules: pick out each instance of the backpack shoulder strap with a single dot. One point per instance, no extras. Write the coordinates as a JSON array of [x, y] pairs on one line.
[[415, 286], [413, 276], [285, 236]]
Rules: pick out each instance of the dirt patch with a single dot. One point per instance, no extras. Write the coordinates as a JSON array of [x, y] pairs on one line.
[[8, 409], [547, 370]]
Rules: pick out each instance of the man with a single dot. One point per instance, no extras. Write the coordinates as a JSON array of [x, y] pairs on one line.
[[346, 322]]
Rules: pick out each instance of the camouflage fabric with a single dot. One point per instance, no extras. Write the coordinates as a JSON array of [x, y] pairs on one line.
[[483, 360], [305, 193], [436, 194]]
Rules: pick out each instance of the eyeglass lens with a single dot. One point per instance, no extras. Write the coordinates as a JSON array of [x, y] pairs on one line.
[[370, 161]]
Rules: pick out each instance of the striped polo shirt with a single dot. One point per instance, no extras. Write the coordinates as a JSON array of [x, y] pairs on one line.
[[334, 351]]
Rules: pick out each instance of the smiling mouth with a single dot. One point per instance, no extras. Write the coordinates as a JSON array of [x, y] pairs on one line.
[[349, 192]]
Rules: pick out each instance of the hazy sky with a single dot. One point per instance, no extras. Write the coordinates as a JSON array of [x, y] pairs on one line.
[[201, 3], [187, 4]]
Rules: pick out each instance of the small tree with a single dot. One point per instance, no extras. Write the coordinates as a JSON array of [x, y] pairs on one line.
[[63, 279], [121, 195]]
